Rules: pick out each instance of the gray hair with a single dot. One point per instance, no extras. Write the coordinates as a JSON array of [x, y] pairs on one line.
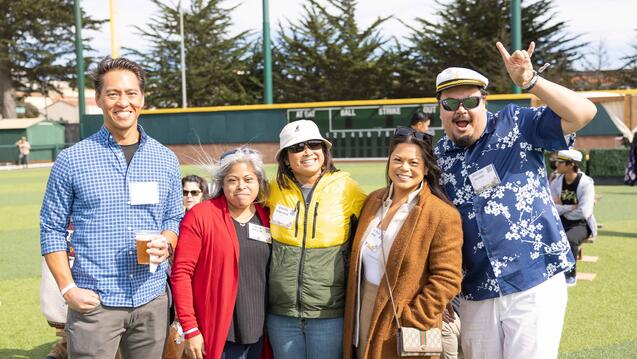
[[219, 170]]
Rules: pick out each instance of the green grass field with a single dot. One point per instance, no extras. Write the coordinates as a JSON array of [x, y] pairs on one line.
[[601, 321]]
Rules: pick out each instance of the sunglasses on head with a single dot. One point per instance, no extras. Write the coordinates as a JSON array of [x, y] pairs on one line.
[[402, 131], [311, 144], [233, 152], [194, 193], [452, 104]]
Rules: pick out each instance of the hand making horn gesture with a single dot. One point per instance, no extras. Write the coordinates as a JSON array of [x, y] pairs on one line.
[[518, 64]]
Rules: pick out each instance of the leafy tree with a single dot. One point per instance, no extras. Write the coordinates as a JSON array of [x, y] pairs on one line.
[[466, 33], [218, 66], [326, 56], [37, 46]]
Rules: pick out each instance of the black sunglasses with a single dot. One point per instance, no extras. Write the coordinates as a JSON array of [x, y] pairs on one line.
[[402, 131], [452, 104], [194, 193], [311, 144]]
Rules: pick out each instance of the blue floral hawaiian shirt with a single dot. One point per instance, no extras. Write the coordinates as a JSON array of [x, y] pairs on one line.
[[513, 237]]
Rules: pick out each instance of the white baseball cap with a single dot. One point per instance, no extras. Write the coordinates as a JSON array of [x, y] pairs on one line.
[[297, 132], [570, 155], [459, 76]]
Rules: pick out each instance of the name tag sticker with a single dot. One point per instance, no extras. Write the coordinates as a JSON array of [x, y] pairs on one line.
[[374, 239], [259, 233], [484, 178], [283, 216], [143, 193]]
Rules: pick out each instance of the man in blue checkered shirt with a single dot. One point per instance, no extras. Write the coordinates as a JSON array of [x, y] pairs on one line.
[[116, 182]]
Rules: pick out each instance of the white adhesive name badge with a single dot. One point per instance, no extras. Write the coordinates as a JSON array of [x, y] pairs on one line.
[[143, 193], [283, 216], [259, 233], [484, 178], [374, 239]]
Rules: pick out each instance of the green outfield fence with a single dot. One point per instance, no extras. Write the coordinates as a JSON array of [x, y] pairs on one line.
[[358, 129]]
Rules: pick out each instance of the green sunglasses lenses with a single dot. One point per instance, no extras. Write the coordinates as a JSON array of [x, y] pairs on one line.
[[452, 104]]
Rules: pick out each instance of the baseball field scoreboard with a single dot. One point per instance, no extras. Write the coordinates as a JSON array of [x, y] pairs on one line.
[[362, 131]]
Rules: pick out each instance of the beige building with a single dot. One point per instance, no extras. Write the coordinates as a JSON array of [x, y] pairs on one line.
[[66, 110]]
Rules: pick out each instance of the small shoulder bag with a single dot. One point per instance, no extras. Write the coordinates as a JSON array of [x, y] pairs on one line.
[[412, 341]]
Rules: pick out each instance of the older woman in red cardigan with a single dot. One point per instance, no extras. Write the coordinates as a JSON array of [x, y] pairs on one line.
[[219, 276]]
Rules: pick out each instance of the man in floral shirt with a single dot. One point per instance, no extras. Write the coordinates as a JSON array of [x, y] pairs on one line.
[[515, 250]]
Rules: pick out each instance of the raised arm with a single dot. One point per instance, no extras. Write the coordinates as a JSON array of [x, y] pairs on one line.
[[575, 110]]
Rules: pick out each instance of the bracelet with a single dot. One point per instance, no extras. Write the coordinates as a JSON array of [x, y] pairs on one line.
[[529, 85], [67, 288]]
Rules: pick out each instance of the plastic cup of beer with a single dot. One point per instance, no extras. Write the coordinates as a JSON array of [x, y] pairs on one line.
[[142, 238]]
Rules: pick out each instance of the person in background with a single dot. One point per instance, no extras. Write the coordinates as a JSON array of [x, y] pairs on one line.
[[24, 148], [220, 272], [515, 251], [420, 122], [452, 331], [313, 212], [195, 190], [409, 237], [574, 197]]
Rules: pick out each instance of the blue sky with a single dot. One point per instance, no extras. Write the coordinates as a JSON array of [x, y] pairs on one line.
[[612, 24]]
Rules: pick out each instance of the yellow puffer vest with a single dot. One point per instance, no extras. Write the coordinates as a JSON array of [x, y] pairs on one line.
[[310, 245]]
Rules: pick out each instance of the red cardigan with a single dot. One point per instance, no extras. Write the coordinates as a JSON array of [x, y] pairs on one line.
[[205, 272]]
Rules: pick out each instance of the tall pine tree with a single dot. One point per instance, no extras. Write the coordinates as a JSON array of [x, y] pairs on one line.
[[326, 56], [466, 32], [37, 46], [219, 70]]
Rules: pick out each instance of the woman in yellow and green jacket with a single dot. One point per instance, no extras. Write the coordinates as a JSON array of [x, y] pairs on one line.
[[313, 213]]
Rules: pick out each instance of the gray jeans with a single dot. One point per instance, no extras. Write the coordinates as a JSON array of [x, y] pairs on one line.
[[138, 332]]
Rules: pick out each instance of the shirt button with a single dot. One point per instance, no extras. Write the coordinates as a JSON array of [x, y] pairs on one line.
[[131, 276], [130, 252], [130, 228]]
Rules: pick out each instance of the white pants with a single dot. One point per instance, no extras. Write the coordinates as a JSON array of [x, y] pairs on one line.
[[524, 325]]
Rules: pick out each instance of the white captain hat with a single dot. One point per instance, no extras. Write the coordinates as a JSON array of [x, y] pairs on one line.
[[570, 155], [459, 76]]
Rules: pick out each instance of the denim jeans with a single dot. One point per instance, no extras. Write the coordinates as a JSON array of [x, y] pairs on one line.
[[294, 338], [242, 351]]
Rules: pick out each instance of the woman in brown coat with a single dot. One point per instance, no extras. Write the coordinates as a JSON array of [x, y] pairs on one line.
[[420, 234]]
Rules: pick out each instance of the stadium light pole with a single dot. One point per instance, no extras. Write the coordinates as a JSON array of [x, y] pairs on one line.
[[184, 96], [267, 55], [80, 63], [115, 52], [516, 31]]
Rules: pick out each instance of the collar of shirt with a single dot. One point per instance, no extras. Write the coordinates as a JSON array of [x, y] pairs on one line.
[[410, 199], [105, 136]]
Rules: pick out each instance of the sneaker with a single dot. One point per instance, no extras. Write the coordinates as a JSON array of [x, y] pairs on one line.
[[571, 281]]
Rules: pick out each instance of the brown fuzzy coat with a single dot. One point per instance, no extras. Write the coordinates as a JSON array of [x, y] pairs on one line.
[[424, 267]]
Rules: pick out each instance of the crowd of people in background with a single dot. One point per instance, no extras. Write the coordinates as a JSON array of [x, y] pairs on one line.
[[466, 245]]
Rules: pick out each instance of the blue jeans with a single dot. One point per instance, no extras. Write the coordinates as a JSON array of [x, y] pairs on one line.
[[242, 351], [294, 338]]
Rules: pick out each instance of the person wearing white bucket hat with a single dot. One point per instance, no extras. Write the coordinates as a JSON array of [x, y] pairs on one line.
[[313, 213], [515, 251], [574, 197]]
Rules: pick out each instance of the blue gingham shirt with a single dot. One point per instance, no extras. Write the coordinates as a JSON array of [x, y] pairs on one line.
[[513, 236], [92, 179]]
